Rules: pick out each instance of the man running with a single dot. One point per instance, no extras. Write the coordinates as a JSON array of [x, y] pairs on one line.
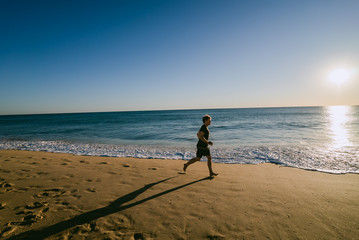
[[202, 146]]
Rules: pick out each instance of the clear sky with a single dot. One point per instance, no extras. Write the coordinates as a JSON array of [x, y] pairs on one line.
[[84, 56]]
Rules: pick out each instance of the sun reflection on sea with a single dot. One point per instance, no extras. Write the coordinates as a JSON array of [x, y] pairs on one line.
[[339, 117]]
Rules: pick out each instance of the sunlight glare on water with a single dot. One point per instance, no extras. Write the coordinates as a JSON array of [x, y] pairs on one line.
[[339, 116]]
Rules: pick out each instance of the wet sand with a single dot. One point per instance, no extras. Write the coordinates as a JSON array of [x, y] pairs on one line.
[[62, 196]]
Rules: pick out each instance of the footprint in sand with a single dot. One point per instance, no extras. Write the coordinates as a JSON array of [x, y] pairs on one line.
[[91, 189], [115, 222], [40, 195], [53, 193], [29, 219], [2, 205], [110, 227], [141, 236], [76, 196], [84, 230], [24, 212], [33, 212], [5, 187], [153, 168], [83, 161], [216, 237], [102, 162], [136, 236], [35, 205], [23, 189], [7, 230], [73, 193], [59, 190], [65, 203]]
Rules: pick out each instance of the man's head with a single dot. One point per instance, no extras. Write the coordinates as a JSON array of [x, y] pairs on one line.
[[207, 120]]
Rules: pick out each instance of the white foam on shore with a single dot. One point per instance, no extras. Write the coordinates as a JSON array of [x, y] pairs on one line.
[[305, 157]]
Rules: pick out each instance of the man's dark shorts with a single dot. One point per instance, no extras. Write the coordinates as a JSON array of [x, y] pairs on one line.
[[203, 152]]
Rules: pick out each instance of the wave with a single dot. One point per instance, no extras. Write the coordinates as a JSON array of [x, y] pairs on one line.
[[318, 158]]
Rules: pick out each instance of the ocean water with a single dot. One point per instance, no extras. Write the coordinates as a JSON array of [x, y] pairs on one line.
[[313, 138]]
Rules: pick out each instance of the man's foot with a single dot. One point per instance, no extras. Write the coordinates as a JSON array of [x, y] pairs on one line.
[[213, 174], [185, 167]]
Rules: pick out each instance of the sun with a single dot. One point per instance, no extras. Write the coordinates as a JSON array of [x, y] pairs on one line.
[[339, 76]]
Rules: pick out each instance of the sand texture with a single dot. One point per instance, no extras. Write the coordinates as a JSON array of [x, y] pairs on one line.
[[61, 196]]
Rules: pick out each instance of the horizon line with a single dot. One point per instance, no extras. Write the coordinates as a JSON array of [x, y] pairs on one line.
[[180, 109]]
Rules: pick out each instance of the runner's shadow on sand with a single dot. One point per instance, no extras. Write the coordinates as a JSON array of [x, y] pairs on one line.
[[114, 207]]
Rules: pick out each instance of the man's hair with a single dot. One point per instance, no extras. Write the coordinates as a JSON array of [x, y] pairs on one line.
[[205, 118]]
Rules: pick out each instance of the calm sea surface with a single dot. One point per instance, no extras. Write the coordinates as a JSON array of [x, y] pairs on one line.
[[314, 138]]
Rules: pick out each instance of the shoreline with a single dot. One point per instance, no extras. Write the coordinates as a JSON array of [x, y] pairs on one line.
[[311, 159], [58, 196], [202, 160]]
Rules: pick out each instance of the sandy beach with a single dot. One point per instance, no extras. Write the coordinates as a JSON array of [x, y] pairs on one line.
[[61, 196]]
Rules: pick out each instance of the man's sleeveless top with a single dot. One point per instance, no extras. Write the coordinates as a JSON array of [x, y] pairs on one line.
[[200, 143]]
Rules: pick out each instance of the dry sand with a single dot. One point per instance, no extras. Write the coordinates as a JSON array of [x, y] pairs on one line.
[[61, 196]]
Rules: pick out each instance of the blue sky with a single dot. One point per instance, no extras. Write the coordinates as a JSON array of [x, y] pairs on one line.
[[84, 56]]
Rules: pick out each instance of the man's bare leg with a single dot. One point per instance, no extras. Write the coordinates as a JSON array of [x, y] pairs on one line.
[[193, 160], [209, 163]]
